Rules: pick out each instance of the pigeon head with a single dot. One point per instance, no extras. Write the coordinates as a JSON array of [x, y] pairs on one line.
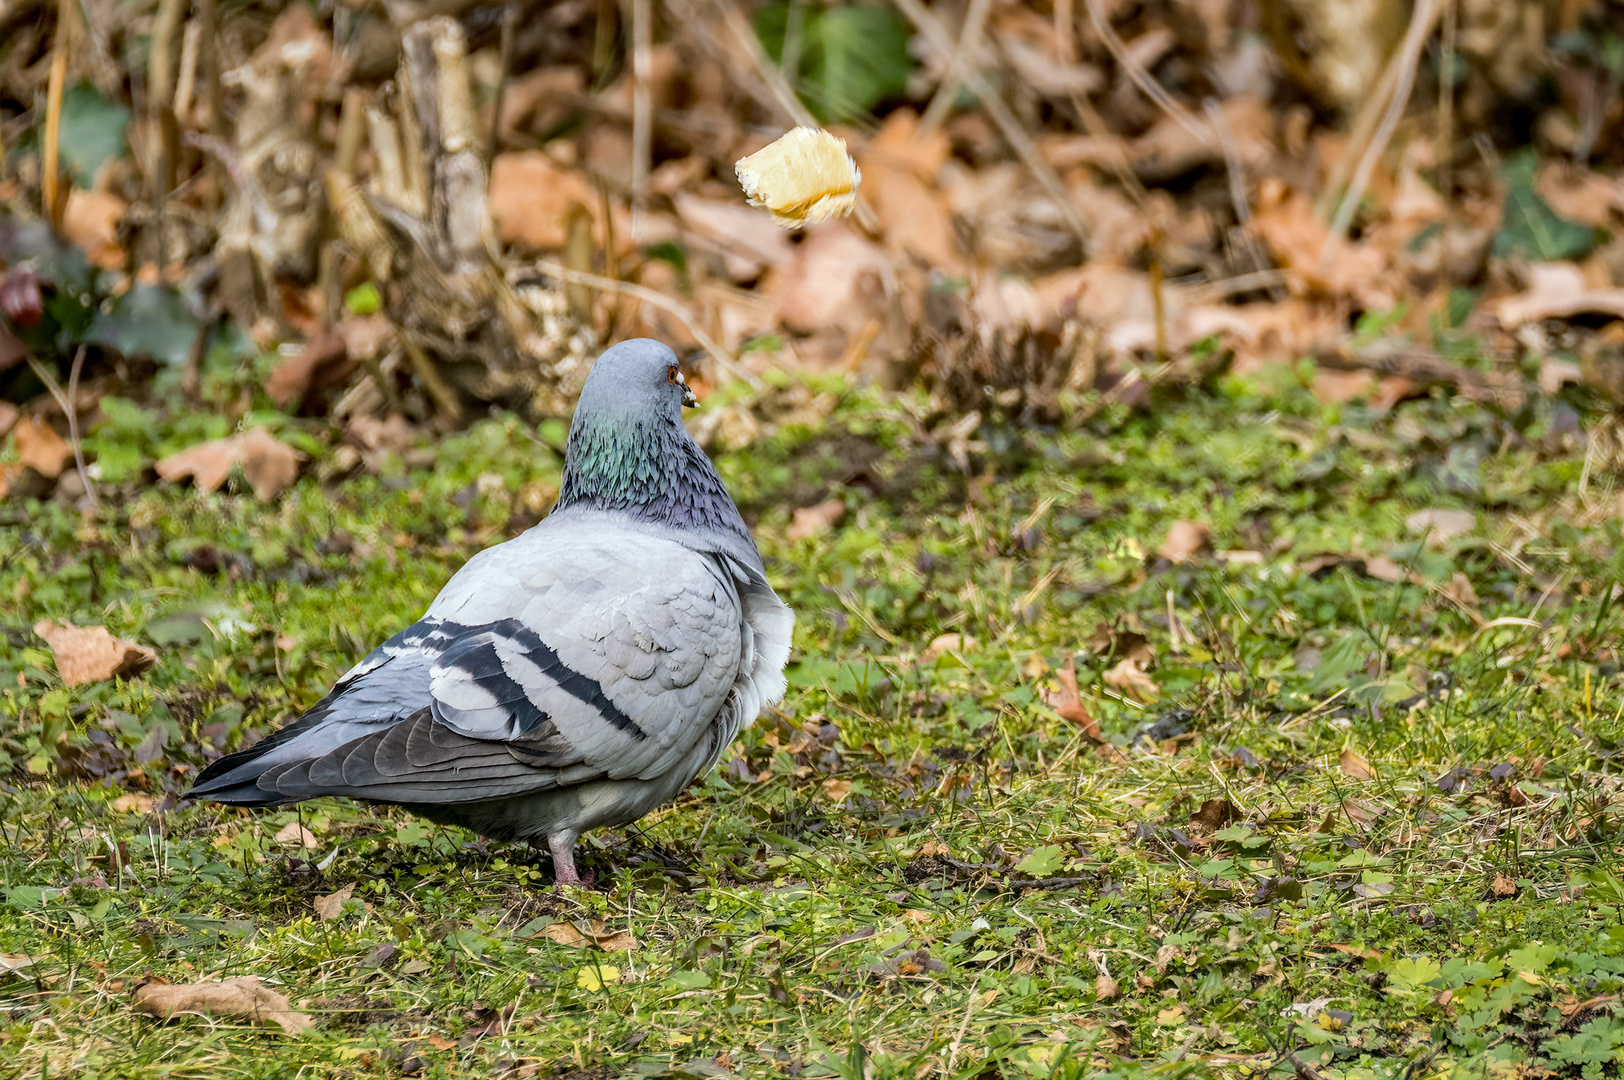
[[636, 376], [629, 453]]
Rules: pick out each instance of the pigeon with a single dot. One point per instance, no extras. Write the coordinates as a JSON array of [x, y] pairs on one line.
[[576, 676]]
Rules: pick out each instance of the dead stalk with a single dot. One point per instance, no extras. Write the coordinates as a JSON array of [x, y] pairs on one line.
[[641, 292], [161, 83], [1009, 127], [68, 404], [941, 103], [446, 404], [66, 13], [510, 19], [642, 19], [1446, 103], [1141, 78], [1409, 56]]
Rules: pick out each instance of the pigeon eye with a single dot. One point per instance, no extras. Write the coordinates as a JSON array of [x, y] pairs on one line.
[[671, 374]]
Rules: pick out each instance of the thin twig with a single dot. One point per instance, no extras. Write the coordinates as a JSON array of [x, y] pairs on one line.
[[66, 11], [1009, 127], [1409, 56], [1446, 103], [642, 121], [664, 303], [1141, 78], [446, 404], [504, 66], [66, 402], [947, 92]]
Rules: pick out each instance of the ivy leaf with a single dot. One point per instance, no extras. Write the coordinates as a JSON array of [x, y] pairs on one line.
[[1530, 227]]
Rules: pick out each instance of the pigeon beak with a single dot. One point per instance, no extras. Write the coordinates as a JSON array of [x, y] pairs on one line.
[[688, 399]]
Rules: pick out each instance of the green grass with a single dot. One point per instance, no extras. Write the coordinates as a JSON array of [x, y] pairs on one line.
[[1368, 827]]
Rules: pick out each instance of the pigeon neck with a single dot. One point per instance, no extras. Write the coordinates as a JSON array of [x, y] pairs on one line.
[[650, 469]]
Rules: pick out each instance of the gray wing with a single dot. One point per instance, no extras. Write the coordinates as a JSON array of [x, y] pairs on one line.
[[561, 657]]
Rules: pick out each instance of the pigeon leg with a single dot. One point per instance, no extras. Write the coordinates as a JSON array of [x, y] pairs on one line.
[[562, 845]]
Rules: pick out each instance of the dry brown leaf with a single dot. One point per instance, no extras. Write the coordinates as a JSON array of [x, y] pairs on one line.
[[41, 448], [15, 961], [1557, 291], [245, 996], [1106, 988], [531, 197], [1185, 540], [1460, 591], [836, 281], [942, 644], [134, 802], [837, 790], [1384, 569], [567, 935], [331, 906], [1355, 767], [294, 833], [324, 362], [934, 849], [1503, 886], [86, 654], [1128, 677], [572, 936], [269, 465], [812, 521], [1068, 703], [91, 220]]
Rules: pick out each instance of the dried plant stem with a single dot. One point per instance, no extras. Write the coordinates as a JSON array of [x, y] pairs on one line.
[[642, 19], [51, 181], [1009, 127], [446, 405], [1446, 102], [1141, 78], [161, 80], [504, 65], [1065, 30], [1409, 58], [941, 103], [641, 292], [67, 403]]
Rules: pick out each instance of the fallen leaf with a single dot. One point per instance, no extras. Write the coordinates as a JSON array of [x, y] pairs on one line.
[[1356, 767], [836, 281], [268, 464], [1166, 955], [812, 521], [91, 220], [934, 849], [1441, 525], [134, 802], [331, 906], [245, 996], [15, 962], [1383, 569], [1128, 677], [1068, 703], [531, 197], [324, 362], [1185, 540], [1503, 886], [567, 935], [942, 644], [1215, 814], [1557, 291], [440, 1042], [1170, 1016], [40, 448], [837, 790], [1106, 988], [86, 654], [294, 833], [1460, 591], [802, 178], [596, 977]]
